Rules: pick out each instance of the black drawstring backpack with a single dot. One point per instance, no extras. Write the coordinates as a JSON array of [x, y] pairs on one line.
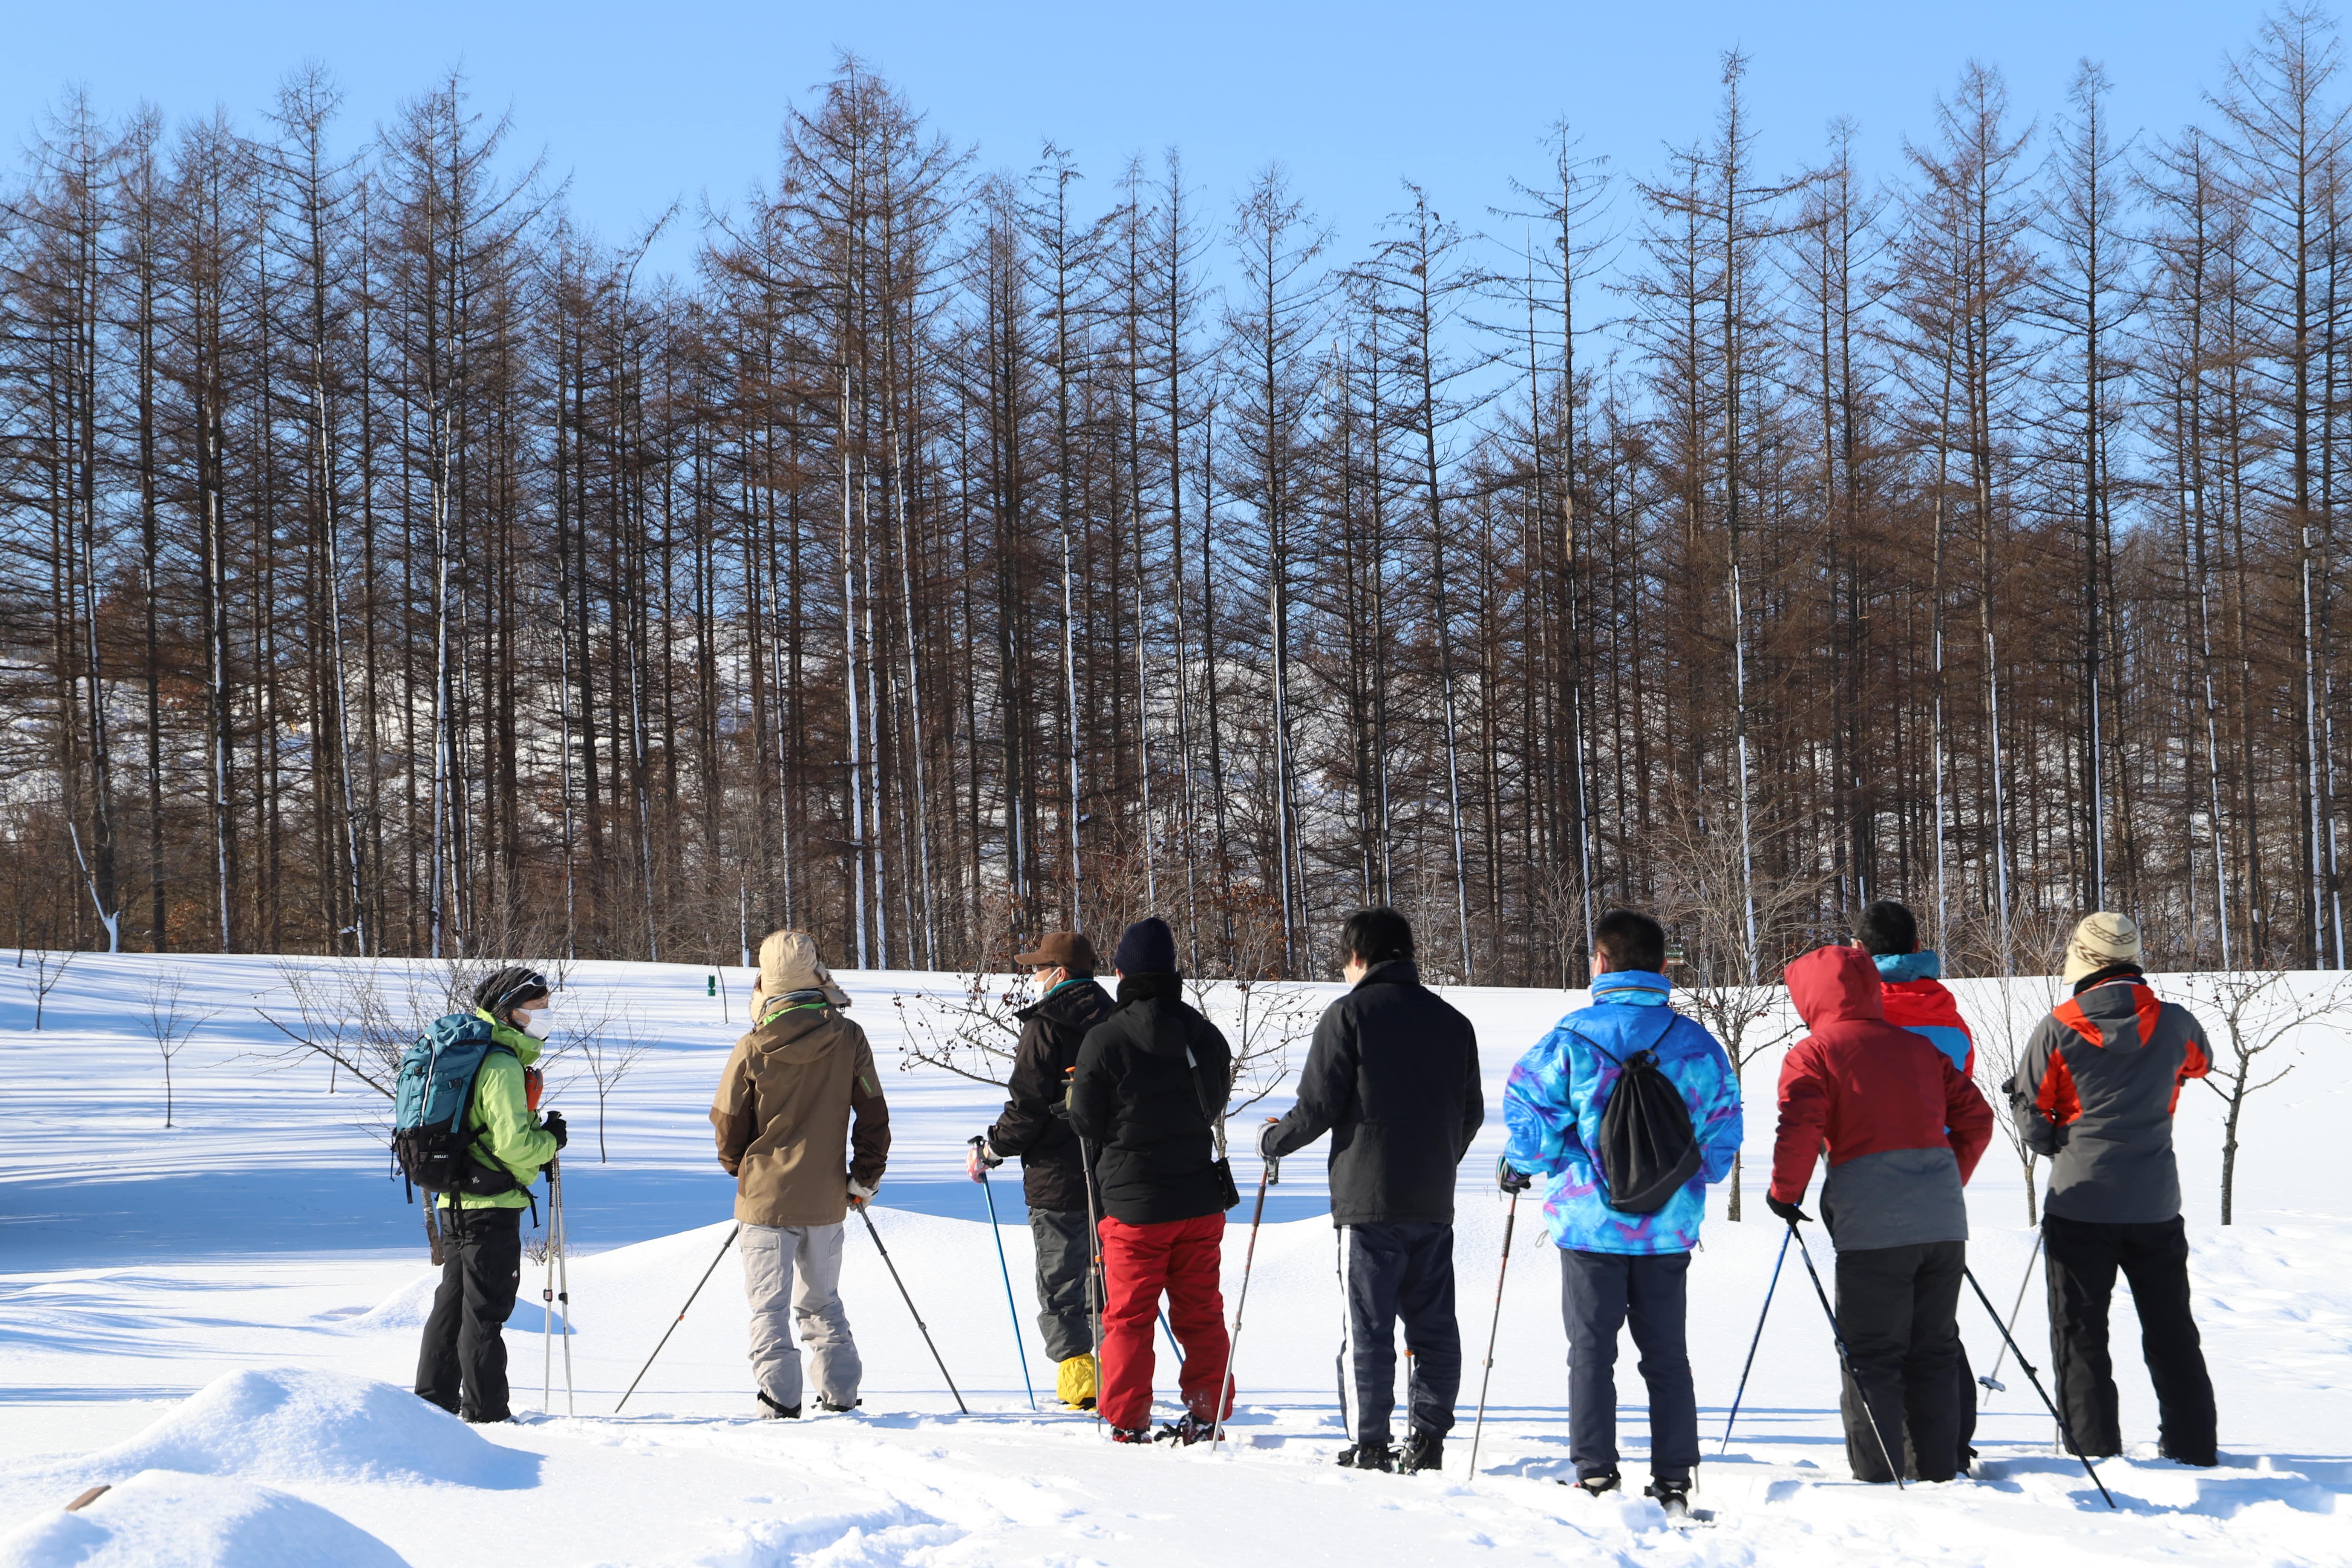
[[1647, 1148]]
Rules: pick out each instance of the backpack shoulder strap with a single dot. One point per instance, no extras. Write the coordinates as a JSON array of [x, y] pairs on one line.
[[1193, 1071]]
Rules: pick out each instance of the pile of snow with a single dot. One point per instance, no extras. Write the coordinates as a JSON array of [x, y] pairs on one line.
[[293, 1424], [160, 1518]]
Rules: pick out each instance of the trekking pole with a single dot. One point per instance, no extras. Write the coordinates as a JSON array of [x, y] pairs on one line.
[[2034, 1378], [680, 1318], [1750, 1365], [865, 1214], [1991, 1380], [1175, 1349], [1494, 1327], [562, 1274], [1097, 1286], [547, 1307], [1019, 1351], [1265, 1177], [1861, 1394]]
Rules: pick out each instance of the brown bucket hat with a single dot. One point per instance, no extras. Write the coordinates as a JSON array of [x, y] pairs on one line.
[[1060, 950], [788, 962]]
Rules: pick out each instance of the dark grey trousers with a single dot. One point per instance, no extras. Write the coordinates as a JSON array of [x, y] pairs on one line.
[[1600, 1293], [1402, 1270], [1063, 1259], [1897, 1309]]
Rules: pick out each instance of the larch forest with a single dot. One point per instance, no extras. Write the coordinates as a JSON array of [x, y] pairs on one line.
[[389, 566]]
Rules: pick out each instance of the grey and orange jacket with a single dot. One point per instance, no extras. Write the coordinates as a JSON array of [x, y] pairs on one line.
[[784, 1113], [2096, 1094], [1903, 1130]]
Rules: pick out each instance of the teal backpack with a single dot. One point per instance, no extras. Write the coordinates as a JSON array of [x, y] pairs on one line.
[[436, 1087]]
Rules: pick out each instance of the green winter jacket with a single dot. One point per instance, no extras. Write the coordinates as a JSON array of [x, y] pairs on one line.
[[511, 1133]]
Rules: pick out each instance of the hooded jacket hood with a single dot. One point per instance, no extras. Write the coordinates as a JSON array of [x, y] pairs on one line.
[[1836, 985], [2119, 1015], [789, 962], [1895, 968]]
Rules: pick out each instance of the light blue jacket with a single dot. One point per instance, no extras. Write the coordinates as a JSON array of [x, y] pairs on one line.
[[1553, 1100]]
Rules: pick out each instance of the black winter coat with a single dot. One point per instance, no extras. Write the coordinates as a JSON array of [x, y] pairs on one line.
[[1393, 1077], [1035, 1124], [1141, 1109]]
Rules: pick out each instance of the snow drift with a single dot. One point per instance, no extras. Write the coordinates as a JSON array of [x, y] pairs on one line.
[[161, 1518], [289, 1425]]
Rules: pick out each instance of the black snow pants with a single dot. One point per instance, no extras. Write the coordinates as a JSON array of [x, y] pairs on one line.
[[1063, 1259], [1600, 1293], [480, 1272], [1404, 1270], [2083, 1257], [1898, 1308]]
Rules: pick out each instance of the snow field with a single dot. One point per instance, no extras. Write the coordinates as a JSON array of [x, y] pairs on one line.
[[221, 1320]]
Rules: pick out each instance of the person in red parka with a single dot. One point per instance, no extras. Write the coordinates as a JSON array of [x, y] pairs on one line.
[[1903, 1131], [1911, 982]]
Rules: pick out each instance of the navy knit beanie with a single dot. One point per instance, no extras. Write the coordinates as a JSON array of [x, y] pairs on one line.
[[1147, 947]]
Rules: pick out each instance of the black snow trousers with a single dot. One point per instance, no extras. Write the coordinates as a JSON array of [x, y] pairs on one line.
[[1402, 1269], [1898, 1309], [480, 1272], [2083, 1257], [1063, 1259], [1600, 1293]]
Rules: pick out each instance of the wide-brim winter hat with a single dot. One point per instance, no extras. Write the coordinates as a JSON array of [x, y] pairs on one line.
[[1147, 947], [1060, 950], [2101, 941], [788, 962]]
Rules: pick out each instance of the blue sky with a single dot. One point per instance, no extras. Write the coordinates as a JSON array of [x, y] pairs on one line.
[[641, 105]]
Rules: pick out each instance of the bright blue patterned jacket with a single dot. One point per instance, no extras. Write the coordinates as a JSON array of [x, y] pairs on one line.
[[1553, 1100]]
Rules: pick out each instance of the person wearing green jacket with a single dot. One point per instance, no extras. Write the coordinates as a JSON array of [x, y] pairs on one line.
[[462, 1366]]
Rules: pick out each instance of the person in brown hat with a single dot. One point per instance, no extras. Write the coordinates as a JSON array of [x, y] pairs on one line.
[[803, 1128], [1036, 1126], [2094, 1096]]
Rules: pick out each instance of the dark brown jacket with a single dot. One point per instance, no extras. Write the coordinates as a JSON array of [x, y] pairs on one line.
[[783, 1114]]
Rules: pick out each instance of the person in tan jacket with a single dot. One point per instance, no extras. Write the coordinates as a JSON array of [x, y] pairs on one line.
[[803, 1128]]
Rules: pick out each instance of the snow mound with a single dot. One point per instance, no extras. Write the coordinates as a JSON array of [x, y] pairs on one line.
[[293, 1424], [159, 1518], [406, 1308]]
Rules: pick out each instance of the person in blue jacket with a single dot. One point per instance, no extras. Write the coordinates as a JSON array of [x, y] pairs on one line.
[[1619, 1268]]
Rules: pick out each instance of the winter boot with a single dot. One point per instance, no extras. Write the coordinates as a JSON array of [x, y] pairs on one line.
[[1423, 1451], [771, 1411], [1130, 1435], [1075, 1381], [1367, 1456], [829, 1408], [1189, 1429], [1674, 1497], [1594, 1486]]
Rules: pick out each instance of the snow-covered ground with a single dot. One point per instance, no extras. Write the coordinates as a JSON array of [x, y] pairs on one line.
[[220, 1320]]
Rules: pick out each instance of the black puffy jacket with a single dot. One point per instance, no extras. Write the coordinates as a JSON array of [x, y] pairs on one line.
[[1393, 1077], [1140, 1106], [1034, 1124]]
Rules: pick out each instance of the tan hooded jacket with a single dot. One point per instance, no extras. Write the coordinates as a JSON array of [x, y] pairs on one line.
[[799, 1113]]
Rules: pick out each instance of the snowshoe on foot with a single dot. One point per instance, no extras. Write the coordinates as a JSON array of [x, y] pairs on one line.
[[771, 1411], [1130, 1435], [1367, 1456], [1674, 1497], [1075, 1381], [1188, 1429], [829, 1408], [1594, 1486], [1423, 1451]]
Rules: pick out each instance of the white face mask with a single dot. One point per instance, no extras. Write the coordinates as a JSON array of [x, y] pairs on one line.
[[539, 1022]]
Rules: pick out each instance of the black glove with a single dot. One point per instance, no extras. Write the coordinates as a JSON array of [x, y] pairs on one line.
[[1788, 1212], [554, 1123], [1512, 1181]]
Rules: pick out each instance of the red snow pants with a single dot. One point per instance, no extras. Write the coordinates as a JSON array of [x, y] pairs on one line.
[[1139, 1262]]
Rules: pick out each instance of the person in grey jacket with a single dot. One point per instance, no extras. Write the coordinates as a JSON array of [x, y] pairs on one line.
[[1393, 1077], [2094, 1096]]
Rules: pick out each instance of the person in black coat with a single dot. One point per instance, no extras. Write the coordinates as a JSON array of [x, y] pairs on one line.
[[1393, 1077], [1034, 1126], [1148, 1099]]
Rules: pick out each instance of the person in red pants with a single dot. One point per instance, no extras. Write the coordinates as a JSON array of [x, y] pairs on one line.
[[1146, 1098]]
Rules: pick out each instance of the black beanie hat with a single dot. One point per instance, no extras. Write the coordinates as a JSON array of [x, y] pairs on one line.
[[1147, 947], [503, 990]]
